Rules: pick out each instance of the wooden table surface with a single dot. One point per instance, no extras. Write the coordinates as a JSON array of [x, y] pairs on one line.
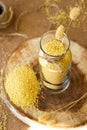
[[33, 24]]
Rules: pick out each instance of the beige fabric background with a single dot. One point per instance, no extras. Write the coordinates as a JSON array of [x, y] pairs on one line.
[[33, 24]]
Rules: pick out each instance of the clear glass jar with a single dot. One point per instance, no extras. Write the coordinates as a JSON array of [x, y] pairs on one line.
[[54, 70]]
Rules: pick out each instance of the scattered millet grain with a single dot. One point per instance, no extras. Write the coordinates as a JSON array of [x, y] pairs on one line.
[[62, 15], [3, 113]]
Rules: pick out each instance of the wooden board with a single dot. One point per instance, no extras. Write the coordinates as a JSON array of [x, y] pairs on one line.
[[74, 117]]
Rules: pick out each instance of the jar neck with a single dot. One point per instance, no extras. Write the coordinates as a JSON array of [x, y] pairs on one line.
[[50, 36], [50, 58]]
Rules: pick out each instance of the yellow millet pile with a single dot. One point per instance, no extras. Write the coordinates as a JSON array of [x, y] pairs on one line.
[[22, 86]]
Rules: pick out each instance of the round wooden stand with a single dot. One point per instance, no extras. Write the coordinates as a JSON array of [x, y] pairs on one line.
[[68, 116]]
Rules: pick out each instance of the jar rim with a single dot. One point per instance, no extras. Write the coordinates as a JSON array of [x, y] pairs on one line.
[[56, 56]]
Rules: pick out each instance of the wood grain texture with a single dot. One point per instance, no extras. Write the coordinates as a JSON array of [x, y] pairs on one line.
[[27, 53]]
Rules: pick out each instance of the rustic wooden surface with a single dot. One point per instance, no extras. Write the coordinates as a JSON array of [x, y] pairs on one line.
[[27, 53], [32, 24]]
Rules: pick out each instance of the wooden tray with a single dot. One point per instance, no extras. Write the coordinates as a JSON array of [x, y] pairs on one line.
[[68, 117]]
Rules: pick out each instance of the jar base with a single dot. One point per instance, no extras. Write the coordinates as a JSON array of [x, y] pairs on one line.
[[56, 88]]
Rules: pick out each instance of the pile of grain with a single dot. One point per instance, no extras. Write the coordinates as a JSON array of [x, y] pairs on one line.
[[22, 86]]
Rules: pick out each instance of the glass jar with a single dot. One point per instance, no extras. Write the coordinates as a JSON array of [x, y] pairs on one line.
[[54, 69]]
